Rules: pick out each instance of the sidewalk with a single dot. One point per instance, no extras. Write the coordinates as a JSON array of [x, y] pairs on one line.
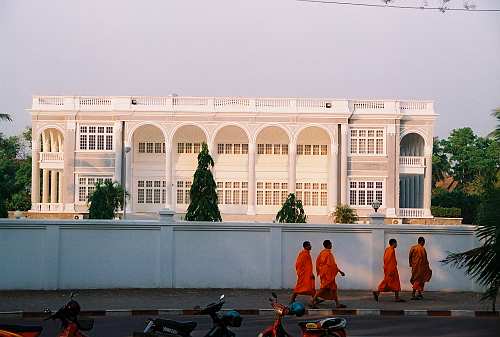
[[156, 299]]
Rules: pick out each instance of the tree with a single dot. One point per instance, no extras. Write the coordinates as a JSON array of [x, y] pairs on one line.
[[5, 117], [291, 211], [495, 134], [483, 263], [345, 214], [474, 161], [468, 203], [203, 193], [440, 164], [106, 200], [9, 147]]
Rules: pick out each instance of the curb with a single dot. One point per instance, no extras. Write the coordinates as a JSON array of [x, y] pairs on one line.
[[255, 312]]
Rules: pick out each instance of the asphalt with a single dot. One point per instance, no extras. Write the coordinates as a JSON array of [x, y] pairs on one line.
[[252, 325], [127, 299]]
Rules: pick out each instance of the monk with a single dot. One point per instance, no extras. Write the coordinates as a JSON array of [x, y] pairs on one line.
[[391, 276], [420, 270], [327, 270], [305, 276]]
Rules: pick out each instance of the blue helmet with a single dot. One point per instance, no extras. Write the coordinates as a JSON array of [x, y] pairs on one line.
[[297, 309], [232, 318]]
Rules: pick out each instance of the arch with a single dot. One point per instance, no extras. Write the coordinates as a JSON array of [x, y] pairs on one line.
[[177, 127], [267, 125], [412, 144], [222, 126], [314, 125], [49, 126], [419, 132], [137, 126]]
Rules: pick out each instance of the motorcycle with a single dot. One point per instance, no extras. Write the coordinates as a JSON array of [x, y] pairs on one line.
[[327, 327], [221, 323], [67, 314]]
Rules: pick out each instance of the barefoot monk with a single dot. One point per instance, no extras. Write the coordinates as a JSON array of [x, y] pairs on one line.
[[305, 276], [420, 270], [390, 283]]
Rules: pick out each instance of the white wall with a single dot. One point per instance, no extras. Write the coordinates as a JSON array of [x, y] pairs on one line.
[[148, 254]]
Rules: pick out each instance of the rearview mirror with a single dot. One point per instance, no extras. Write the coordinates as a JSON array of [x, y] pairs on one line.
[[221, 297], [274, 295]]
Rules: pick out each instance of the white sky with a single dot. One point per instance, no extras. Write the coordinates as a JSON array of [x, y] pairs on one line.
[[251, 48]]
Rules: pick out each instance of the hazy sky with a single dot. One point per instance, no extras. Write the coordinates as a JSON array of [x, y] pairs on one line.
[[251, 48]]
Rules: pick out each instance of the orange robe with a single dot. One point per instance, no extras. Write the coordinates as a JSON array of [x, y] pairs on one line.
[[305, 276], [420, 270], [327, 270], [391, 275]]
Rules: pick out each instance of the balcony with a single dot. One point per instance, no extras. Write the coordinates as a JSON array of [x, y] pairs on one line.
[[412, 213], [411, 165], [48, 207], [52, 160]]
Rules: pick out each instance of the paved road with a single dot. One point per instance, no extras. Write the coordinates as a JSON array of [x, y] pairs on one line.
[[357, 326]]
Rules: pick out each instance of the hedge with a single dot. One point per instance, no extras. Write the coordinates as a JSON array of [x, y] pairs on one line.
[[446, 212]]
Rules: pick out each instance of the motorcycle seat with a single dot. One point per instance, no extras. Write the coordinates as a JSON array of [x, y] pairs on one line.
[[20, 328], [332, 323], [185, 327]]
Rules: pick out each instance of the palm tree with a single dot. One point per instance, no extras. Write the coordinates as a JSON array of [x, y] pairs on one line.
[[5, 117], [495, 134], [483, 263]]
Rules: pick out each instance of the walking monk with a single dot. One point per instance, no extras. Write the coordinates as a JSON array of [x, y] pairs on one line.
[[327, 270], [305, 276], [391, 275], [420, 270]]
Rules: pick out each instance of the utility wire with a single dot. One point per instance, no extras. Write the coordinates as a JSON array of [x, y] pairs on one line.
[[442, 9]]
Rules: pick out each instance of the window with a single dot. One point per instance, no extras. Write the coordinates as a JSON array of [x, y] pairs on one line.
[[276, 149], [149, 147], [158, 148], [362, 193], [96, 137], [180, 147], [220, 148], [188, 147], [244, 148], [151, 191], [229, 148], [237, 148], [86, 185], [271, 193], [232, 192], [260, 148], [367, 141], [312, 194], [183, 188], [312, 149], [196, 148]]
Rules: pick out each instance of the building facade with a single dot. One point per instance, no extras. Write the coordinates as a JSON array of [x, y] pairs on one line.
[[327, 151]]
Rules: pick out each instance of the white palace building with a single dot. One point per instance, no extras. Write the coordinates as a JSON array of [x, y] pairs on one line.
[[327, 151]]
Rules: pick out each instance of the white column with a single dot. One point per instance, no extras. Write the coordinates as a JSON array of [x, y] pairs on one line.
[[333, 178], [251, 179], [343, 164], [118, 147], [128, 178], [68, 173], [53, 186], [45, 186], [60, 178], [35, 171], [168, 176], [428, 181], [292, 166]]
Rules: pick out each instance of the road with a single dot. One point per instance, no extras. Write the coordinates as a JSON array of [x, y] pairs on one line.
[[357, 326]]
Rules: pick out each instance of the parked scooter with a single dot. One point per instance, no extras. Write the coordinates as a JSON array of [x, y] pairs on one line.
[[67, 314], [326, 327], [165, 327]]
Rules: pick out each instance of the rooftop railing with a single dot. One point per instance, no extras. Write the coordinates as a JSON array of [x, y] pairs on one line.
[[229, 104]]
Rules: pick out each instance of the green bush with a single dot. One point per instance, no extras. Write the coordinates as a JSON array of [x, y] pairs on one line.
[[20, 201], [345, 214], [106, 200], [446, 212], [468, 204], [291, 211]]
